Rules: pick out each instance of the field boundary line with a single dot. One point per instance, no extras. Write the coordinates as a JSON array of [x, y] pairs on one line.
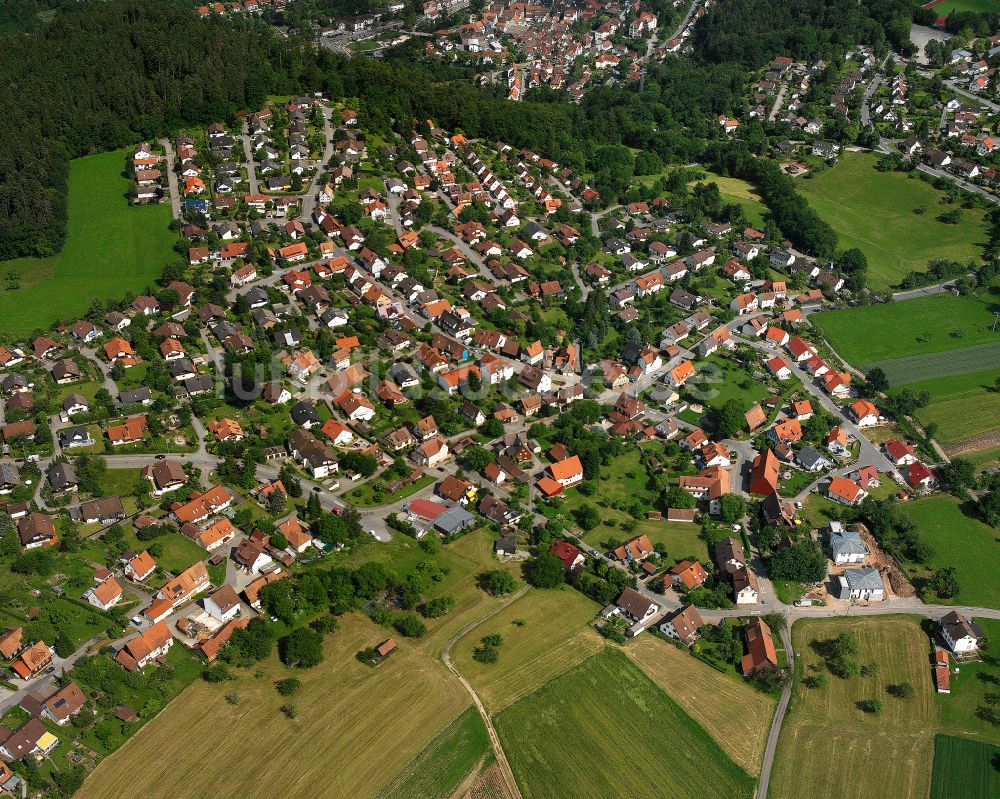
[[501, 756]]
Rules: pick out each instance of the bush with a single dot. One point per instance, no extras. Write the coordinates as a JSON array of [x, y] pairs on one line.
[[768, 680], [546, 571], [486, 654], [438, 607], [410, 625], [288, 686], [815, 681], [302, 648], [903, 690], [289, 710], [498, 582], [218, 672], [489, 649], [870, 705]]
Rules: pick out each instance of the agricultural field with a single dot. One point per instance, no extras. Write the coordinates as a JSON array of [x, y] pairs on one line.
[[362, 725], [964, 769], [963, 405], [890, 752], [961, 541], [877, 212], [985, 459], [935, 366], [604, 729], [875, 335], [112, 247], [437, 771], [554, 637], [709, 697]]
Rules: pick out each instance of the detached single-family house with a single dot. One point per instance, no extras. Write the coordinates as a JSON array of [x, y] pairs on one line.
[[862, 584]]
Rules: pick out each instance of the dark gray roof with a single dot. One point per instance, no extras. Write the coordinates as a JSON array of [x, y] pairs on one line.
[[866, 579], [847, 543], [62, 475], [454, 519]]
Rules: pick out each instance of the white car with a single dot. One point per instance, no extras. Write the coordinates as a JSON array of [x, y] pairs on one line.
[[803, 603]]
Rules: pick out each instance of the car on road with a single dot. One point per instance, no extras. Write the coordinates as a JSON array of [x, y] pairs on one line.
[[803, 603], [137, 621], [161, 457]]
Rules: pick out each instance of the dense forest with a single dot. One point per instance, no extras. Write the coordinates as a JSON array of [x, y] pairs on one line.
[[752, 32], [27, 15], [112, 74], [121, 71]]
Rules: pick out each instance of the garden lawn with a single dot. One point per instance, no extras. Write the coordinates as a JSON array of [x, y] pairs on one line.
[[722, 379], [874, 211], [709, 697], [436, 772], [120, 482], [556, 636], [873, 334], [179, 551], [364, 496], [112, 247], [356, 728], [969, 687], [604, 729], [965, 769], [961, 541]]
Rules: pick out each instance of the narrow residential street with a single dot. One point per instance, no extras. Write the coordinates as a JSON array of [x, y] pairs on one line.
[[251, 166], [172, 188], [309, 198]]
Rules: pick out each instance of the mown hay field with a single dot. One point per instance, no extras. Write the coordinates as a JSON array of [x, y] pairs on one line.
[[829, 748], [355, 728], [553, 636]]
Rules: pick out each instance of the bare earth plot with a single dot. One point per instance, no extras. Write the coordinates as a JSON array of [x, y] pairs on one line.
[[829, 749], [709, 697], [355, 729]]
